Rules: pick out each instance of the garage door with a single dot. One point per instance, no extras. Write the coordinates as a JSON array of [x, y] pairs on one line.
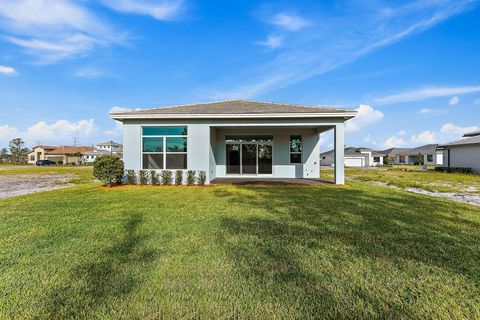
[[354, 162]]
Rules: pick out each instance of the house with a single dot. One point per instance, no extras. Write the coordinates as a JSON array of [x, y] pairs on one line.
[[60, 155], [463, 153], [427, 153], [39, 153], [233, 139], [393, 155], [354, 157], [104, 148]]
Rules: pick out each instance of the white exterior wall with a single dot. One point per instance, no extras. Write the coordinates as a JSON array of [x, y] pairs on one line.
[[206, 143], [466, 156]]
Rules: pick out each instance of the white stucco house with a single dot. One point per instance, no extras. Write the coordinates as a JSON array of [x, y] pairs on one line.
[[233, 139], [428, 152], [104, 148], [354, 157], [464, 153]]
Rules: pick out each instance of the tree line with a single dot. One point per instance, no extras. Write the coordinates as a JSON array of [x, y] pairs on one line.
[[16, 153]]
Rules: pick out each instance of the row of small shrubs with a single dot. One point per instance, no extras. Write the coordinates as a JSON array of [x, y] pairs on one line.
[[166, 177], [454, 170]]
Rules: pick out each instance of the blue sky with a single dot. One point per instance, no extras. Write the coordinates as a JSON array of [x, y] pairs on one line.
[[410, 68]]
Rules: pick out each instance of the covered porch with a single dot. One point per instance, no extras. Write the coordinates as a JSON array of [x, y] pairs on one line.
[[277, 153]]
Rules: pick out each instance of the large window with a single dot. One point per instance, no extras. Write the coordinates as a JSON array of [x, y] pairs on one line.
[[430, 157], [164, 147], [296, 149]]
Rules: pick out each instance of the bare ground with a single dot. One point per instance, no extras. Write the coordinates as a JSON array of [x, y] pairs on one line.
[[19, 184]]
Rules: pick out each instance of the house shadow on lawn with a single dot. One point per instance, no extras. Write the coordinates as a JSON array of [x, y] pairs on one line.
[[273, 250], [112, 274]]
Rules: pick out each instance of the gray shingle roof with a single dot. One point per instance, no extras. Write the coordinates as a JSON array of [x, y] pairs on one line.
[[393, 151], [466, 141], [426, 149], [349, 151], [240, 107], [109, 143], [472, 134]]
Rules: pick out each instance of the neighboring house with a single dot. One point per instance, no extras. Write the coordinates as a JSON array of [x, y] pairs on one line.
[[233, 139], [393, 155], [463, 153], [39, 153], [104, 148], [60, 155], [354, 157], [428, 153]]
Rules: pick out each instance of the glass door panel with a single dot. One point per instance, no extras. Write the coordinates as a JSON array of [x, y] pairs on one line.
[[265, 157], [249, 159], [233, 158]]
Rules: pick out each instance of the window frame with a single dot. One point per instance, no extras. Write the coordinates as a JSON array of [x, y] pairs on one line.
[[164, 153], [290, 149]]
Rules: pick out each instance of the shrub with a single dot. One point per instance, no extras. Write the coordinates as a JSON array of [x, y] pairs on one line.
[[154, 177], [190, 177], [166, 177], [202, 178], [131, 177], [143, 177], [179, 177], [108, 169], [454, 170]]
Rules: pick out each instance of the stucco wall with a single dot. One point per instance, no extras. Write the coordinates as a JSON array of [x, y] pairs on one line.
[[467, 156]]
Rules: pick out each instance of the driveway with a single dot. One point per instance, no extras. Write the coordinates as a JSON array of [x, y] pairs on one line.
[[19, 184]]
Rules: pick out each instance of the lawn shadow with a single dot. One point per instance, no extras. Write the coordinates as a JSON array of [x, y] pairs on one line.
[[112, 274], [384, 226]]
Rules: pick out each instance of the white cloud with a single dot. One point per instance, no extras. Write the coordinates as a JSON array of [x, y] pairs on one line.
[[7, 70], [62, 130], [402, 133], [365, 115], [393, 142], [454, 101], [448, 132], [115, 131], [7, 133], [425, 111], [118, 109], [272, 42], [290, 22], [425, 137], [158, 9], [425, 93], [343, 37], [53, 30]]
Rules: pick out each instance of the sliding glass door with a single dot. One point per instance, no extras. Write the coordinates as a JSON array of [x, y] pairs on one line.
[[248, 155]]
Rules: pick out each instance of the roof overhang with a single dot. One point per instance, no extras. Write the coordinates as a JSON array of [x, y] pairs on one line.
[[122, 116]]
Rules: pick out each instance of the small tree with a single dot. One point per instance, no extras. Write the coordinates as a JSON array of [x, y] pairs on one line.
[[202, 178], [179, 177], [154, 177], [142, 176], [108, 169], [4, 156], [131, 176], [166, 177], [18, 151], [419, 159], [190, 177]]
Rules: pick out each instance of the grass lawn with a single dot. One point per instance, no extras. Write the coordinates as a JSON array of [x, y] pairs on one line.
[[83, 173], [238, 252]]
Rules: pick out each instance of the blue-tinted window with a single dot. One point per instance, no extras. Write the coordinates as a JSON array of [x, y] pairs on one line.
[[176, 144], [153, 144], [164, 131]]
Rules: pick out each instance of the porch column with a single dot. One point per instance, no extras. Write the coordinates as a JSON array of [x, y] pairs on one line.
[[339, 153]]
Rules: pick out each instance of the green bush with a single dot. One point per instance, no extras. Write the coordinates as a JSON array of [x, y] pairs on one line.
[[191, 177], [143, 177], [166, 177], [154, 177], [202, 178], [108, 169], [131, 177], [454, 170], [178, 177]]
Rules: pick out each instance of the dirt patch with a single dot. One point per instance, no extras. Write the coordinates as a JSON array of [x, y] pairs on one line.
[[473, 199], [19, 184]]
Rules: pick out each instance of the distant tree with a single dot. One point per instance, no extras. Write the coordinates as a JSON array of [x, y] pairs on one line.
[[18, 151], [4, 156], [419, 159], [79, 157]]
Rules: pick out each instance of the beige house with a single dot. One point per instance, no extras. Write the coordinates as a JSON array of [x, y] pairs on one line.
[[60, 155]]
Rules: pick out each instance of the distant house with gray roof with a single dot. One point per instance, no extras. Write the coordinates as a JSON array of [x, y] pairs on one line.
[[428, 154], [104, 148], [464, 153]]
